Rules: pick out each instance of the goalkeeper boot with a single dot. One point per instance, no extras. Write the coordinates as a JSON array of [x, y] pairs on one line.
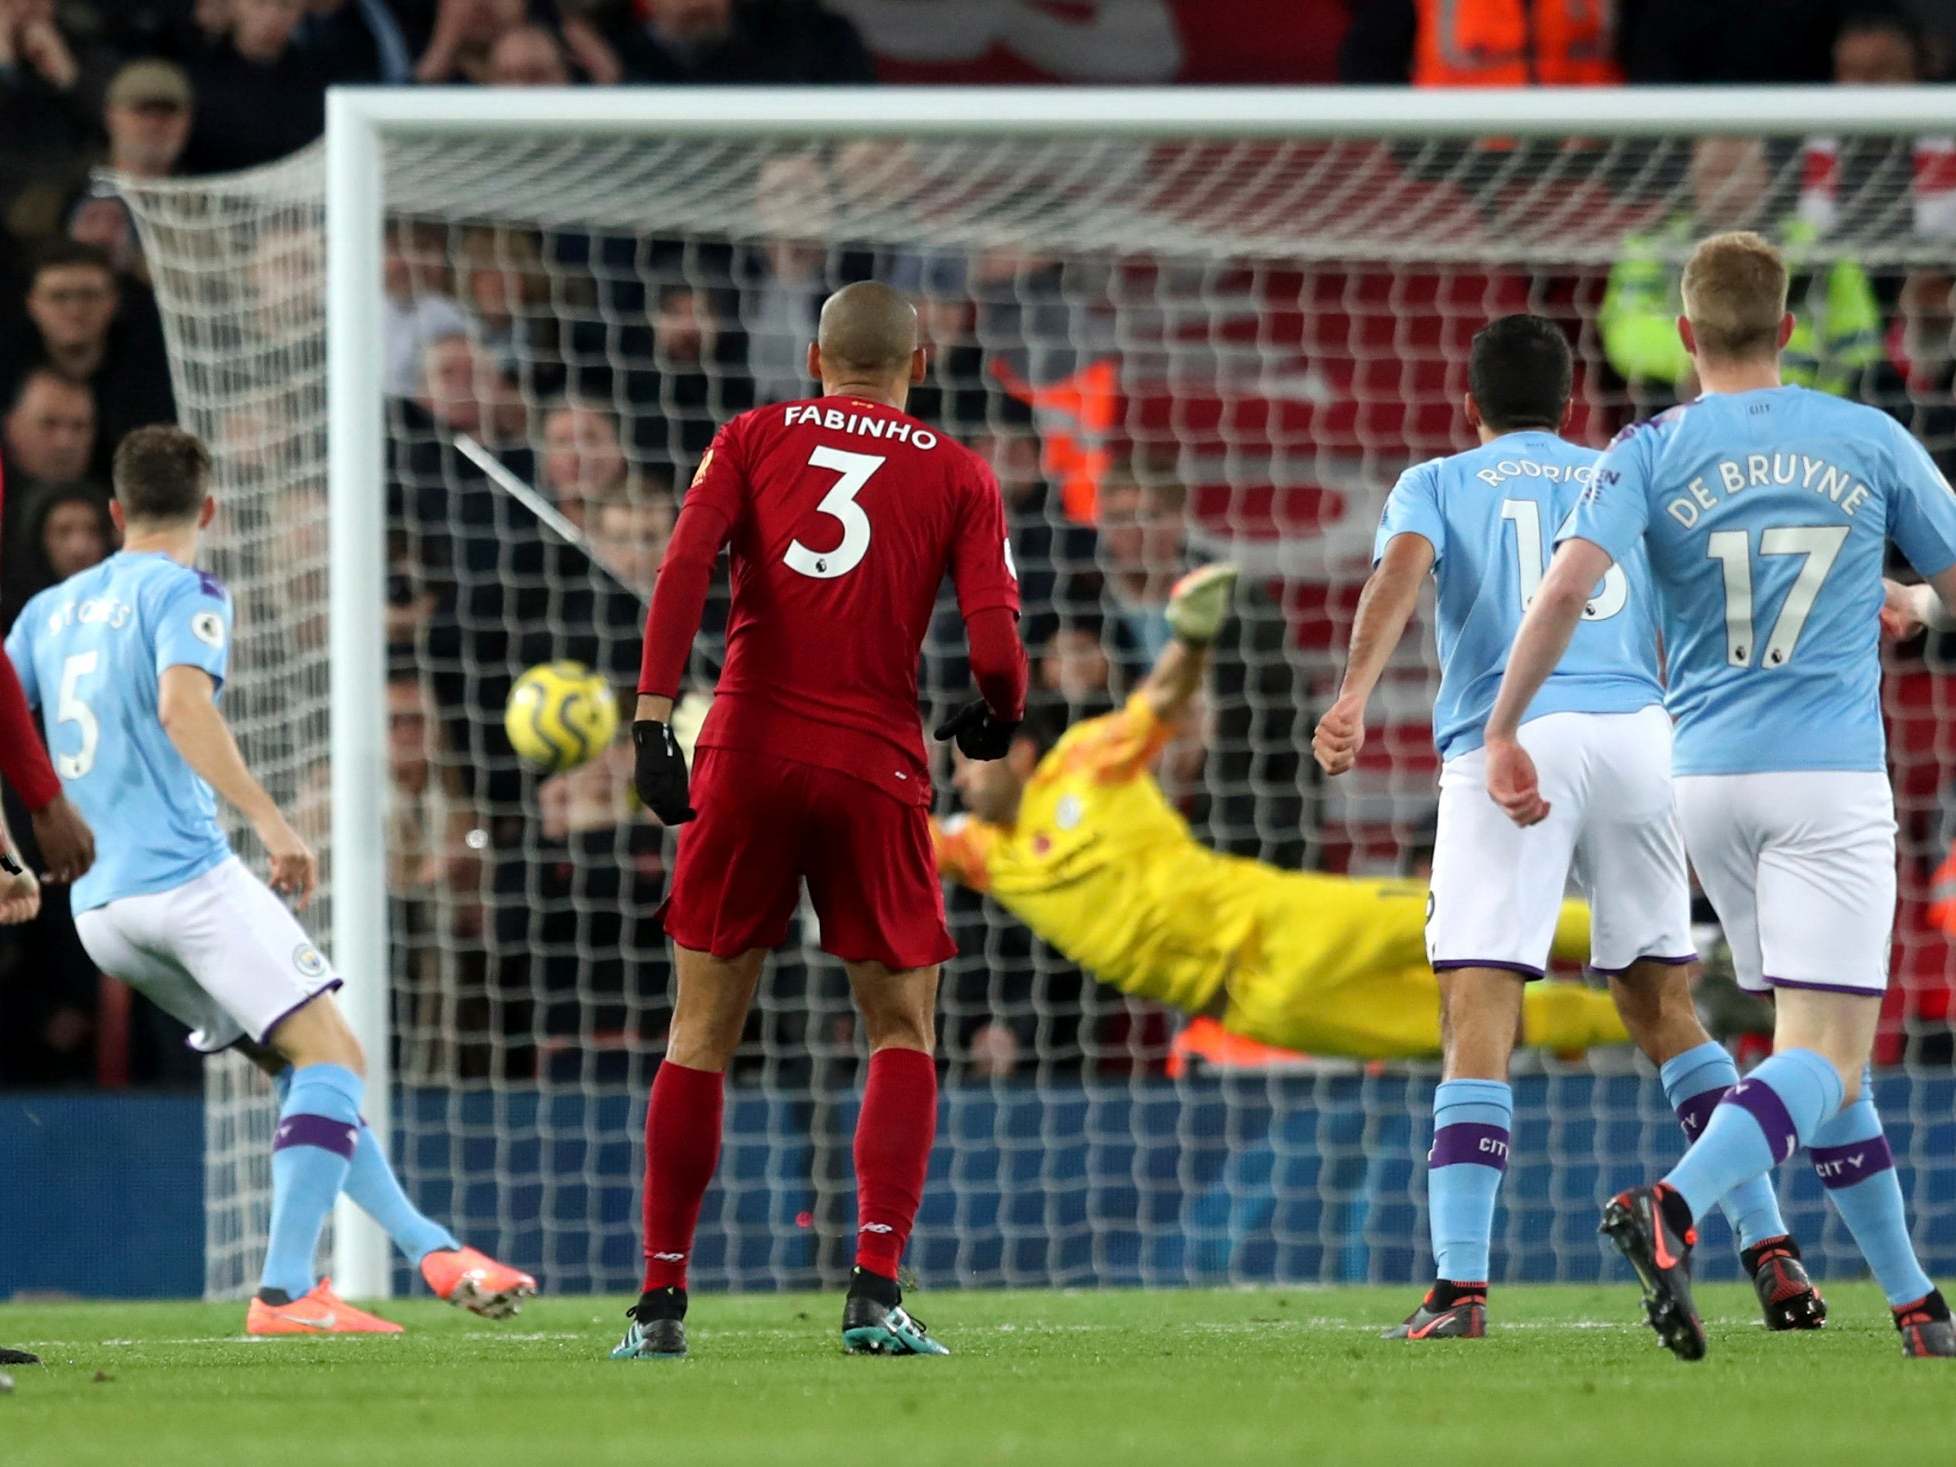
[[1450, 1311], [476, 1282], [18, 1357], [1786, 1295], [658, 1327], [874, 1321], [1651, 1228], [322, 1312], [1925, 1328], [1199, 603]]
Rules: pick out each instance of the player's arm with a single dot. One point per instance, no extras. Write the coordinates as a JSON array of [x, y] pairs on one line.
[[1539, 644], [1922, 523], [987, 584], [706, 519], [1384, 607], [1197, 609], [20, 893], [67, 845], [186, 705], [1411, 540]]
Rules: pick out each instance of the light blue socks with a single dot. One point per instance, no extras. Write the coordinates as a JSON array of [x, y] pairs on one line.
[[1760, 1123], [1850, 1152], [318, 1129], [1694, 1082], [1463, 1173]]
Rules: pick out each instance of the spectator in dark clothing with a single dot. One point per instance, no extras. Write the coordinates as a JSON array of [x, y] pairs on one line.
[[1672, 41], [259, 97], [685, 375], [453, 39], [48, 437], [147, 119], [354, 41], [67, 530], [50, 96], [528, 56], [98, 331], [741, 42]]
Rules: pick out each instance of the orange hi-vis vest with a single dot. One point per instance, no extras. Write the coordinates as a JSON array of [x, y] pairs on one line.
[[1076, 416], [1942, 895], [1516, 43]]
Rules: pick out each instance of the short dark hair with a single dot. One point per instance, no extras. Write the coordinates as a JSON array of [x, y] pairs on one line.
[[160, 472], [1521, 373], [1891, 16], [62, 252]]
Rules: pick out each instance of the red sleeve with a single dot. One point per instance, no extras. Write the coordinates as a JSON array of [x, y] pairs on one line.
[[998, 662], [706, 518], [981, 556], [23, 761]]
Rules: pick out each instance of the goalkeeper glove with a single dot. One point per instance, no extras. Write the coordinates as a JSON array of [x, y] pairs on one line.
[[980, 733], [659, 772], [1199, 604]]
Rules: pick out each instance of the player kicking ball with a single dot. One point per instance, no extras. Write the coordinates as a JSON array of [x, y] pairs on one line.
[[1765, 512], [129, 657], [1481, 522], [843, 515]]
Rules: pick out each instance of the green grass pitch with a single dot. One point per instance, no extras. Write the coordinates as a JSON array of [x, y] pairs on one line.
[[1193, 1378]]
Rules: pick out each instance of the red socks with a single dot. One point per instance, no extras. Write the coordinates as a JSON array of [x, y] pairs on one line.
[[682, 1147], [893, 1137]]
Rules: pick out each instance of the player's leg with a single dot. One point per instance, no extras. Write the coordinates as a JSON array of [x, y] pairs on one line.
[[894, 1132], [1496, 896], [1631, 862], [683, 1124], [873, 881], [735, 885], [463, 1276]]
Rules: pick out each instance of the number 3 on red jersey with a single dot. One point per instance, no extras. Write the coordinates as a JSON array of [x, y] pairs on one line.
[[838, 504]]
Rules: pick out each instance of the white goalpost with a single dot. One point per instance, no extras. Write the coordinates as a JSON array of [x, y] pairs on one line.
[[1241, 312]]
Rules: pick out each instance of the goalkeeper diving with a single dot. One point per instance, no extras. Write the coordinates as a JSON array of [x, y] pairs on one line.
[[1075, 838]]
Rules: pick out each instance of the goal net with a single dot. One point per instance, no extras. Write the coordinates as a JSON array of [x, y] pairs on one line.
[[1172, 346]]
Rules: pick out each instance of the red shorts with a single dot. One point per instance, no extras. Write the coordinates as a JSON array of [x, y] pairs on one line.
[[768, 824]]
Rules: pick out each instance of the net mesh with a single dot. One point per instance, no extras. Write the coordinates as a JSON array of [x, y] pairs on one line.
[[1169, 351]]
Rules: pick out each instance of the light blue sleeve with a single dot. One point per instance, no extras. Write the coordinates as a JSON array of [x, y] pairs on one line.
[[193, 627], [1614, 511], [20, 652], [1921, 508], [1413, 508]]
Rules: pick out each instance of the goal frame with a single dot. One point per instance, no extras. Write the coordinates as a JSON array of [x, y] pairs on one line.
[[360, 120]]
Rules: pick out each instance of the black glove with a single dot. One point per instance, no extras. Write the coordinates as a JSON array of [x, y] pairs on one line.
[[979, 732], [659, 774]]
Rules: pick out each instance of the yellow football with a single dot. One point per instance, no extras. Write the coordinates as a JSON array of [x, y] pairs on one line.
[[559, 715]]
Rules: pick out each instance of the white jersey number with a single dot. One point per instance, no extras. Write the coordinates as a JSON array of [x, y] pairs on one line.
[[1526, 516], [839, 504], [69, 708], [1732, 549]]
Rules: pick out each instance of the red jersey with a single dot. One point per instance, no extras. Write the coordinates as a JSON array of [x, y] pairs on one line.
[[842, 517]]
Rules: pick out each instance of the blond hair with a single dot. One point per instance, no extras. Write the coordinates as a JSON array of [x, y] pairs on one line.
[[1735, 295]]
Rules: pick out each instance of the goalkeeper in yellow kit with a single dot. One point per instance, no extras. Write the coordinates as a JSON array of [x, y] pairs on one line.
[[1077, 841]]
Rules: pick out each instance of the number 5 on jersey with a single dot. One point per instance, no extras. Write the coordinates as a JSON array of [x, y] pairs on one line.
[[838, 504]]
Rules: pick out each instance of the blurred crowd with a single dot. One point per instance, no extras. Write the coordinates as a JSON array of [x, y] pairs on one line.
[[595, 368]]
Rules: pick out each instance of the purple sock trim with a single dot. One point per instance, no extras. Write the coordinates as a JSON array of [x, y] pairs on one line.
[[1758, 1100], [1470, 1144], [1843, 1166], [1522, 968], [1646, 958], [1694, 1113], [321, 1131], [1773, 982]]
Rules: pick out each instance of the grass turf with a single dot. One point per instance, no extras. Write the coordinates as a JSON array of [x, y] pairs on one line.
[[1113, 1377]]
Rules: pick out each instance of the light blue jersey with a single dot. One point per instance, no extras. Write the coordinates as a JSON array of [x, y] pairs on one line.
[[1491, 515], [90, 652], [1766, 517]]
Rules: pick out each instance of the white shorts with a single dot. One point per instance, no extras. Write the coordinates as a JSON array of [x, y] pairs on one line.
[[1801, 868], [1612, 825], [221, 953]]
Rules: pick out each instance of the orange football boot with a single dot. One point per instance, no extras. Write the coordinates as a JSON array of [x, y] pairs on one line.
[[474, 1281], [322, 1312]]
